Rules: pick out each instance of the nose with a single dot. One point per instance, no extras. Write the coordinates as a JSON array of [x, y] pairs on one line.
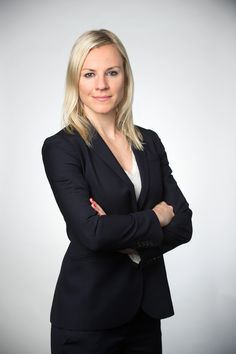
[[101, 82]]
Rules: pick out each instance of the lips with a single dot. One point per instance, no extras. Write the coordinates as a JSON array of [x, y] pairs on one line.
[[102, 98]]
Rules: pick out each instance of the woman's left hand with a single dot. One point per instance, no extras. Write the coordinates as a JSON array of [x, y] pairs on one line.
[[100, 212]]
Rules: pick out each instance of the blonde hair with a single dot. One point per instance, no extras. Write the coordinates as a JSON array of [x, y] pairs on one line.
[[73, 113]]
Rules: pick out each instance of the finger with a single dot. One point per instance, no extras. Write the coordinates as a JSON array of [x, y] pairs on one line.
[[97, 207], [92, 201], [101, 211], [94, 206]]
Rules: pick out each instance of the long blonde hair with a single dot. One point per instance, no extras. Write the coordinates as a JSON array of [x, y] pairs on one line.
[[73, 113]]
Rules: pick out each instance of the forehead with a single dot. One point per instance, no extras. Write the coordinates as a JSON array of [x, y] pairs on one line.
[[104, 56]]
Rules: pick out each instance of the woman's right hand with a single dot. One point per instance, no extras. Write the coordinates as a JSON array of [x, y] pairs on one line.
[[164, 212]]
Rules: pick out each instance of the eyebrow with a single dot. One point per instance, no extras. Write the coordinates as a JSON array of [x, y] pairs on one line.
[[112, 67]]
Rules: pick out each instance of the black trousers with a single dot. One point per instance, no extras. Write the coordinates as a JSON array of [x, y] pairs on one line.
[[142, 335]]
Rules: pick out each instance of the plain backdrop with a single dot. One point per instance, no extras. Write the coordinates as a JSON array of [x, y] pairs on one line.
[[183, 55]]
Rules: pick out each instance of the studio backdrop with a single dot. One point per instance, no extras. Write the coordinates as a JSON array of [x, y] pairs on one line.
[[183, 56]]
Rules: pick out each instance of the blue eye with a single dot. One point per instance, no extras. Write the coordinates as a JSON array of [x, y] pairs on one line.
[[88, 75], [112, 73]]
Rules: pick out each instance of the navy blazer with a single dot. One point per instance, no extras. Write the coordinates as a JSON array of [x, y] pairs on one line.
[[98, 287]]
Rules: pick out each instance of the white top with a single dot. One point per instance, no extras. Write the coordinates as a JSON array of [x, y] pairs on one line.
[[135, 178]]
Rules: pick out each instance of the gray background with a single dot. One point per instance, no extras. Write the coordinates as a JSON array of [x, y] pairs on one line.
[[183, 55]]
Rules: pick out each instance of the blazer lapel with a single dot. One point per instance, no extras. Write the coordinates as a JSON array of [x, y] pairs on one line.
[[102, 149], [142, 163]]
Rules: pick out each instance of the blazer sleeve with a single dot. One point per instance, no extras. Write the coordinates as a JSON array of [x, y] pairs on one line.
[[64, 171], [179, 230]]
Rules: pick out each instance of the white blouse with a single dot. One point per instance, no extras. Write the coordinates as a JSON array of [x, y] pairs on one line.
[[135, 178]]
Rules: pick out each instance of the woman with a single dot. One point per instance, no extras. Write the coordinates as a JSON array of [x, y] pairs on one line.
[[122, 207]]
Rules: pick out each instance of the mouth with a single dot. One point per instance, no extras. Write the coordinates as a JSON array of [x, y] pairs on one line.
[[102, 98]]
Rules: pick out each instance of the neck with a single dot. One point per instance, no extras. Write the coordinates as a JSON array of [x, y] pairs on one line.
[[104, 124]]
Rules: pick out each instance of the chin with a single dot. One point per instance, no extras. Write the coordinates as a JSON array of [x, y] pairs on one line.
[[104, 110]]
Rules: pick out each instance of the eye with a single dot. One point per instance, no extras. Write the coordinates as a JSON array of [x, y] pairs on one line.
[[112, 73], [88, 75]]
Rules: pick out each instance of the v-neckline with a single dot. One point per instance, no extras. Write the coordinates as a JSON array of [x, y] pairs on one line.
[[132, 164], [108, 147], [100, 147]]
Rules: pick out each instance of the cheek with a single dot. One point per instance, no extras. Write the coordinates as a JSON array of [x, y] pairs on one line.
[[121, 89], [83, 91]]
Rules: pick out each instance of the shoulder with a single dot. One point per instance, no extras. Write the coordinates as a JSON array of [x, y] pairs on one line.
[[146, 132], [153, 144], [150, 137], [63, 139], [62, 149], [63, 136]]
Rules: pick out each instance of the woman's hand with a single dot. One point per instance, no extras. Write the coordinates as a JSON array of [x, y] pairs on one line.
[[100, 212], [97, 207], [164, 213]]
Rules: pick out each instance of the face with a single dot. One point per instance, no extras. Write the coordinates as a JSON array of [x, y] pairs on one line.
[[101, 83]]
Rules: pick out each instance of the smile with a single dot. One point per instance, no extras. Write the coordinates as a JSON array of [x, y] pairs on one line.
[[102, 98]]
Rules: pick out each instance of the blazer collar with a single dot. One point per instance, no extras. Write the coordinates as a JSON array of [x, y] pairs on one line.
[[102, 149]]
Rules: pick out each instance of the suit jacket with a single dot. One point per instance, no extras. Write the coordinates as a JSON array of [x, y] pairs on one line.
[[99, 287]]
